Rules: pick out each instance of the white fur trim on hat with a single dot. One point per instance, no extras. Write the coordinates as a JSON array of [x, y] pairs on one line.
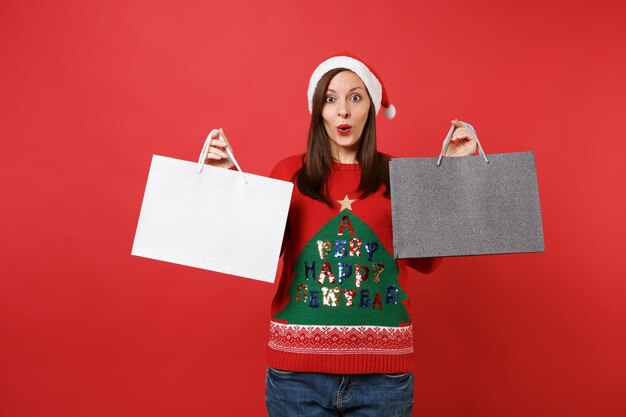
[[390, 112], [369, 79]]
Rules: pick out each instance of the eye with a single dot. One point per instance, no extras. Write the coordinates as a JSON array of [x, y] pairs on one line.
[[355, 97], [329, 99]]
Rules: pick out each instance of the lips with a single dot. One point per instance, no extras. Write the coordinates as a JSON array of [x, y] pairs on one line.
[[344, 129]]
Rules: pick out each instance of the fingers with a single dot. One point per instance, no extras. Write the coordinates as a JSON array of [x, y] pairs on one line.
[[461, 132], [463, 141], [467, 136], [216, 153], [456, 123], [217, 144], [460, 148], [218, 134], [221, 132], [216, 147]]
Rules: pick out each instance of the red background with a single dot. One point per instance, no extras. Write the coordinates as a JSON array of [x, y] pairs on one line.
[[90, 90]]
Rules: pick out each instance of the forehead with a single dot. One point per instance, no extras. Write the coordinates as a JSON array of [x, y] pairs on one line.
[[345, 80]]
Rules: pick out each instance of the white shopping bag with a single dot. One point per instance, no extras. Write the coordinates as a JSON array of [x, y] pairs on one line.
[[212, 218]]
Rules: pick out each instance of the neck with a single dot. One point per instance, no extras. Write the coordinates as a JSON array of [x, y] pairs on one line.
[[344, 156]]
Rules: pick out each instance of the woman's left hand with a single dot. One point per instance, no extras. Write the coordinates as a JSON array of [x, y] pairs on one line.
[[463, 142]]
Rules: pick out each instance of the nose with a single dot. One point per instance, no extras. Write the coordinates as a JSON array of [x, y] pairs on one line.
[[343, 110]]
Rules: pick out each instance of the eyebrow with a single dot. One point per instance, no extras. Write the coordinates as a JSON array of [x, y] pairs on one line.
[[351, 90]]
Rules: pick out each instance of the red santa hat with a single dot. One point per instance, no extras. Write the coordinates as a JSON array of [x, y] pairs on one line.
[[372, 81]]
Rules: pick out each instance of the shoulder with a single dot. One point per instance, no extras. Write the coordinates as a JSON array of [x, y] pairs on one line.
[[287, 168]]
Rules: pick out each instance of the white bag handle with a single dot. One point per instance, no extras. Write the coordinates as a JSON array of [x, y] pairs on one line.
[[448, 138], [205, 151]]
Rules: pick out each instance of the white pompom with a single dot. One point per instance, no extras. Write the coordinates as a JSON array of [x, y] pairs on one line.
[[390, 112]]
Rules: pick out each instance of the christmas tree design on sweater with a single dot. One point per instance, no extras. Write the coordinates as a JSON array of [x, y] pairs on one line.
[[345, 276]]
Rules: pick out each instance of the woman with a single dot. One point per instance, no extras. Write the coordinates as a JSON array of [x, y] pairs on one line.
[[340, 335]]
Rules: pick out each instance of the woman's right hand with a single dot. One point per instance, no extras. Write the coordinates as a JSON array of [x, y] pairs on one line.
[[216, 155]]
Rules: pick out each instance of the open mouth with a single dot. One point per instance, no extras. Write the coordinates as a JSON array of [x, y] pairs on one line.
[[344, 129]]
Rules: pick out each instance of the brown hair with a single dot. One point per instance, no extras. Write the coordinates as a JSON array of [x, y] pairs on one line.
[[312, 177]]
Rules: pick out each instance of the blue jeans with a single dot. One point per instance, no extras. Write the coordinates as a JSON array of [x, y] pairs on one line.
[[307, 394]]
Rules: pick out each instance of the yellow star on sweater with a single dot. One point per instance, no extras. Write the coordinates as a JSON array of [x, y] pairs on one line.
[[346, 203]]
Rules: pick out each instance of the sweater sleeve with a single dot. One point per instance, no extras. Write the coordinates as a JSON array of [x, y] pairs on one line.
[[285, 170], [424, 265]]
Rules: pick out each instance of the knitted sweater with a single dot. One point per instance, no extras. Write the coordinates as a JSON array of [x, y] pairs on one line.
[[340, 306]]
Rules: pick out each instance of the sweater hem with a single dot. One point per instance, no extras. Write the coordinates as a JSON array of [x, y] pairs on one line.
[[340, 363]]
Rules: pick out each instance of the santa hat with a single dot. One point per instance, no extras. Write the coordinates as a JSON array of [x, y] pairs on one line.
[[371, 80]]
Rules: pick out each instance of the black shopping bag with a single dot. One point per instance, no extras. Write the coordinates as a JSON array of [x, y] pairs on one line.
[[470, 205]]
